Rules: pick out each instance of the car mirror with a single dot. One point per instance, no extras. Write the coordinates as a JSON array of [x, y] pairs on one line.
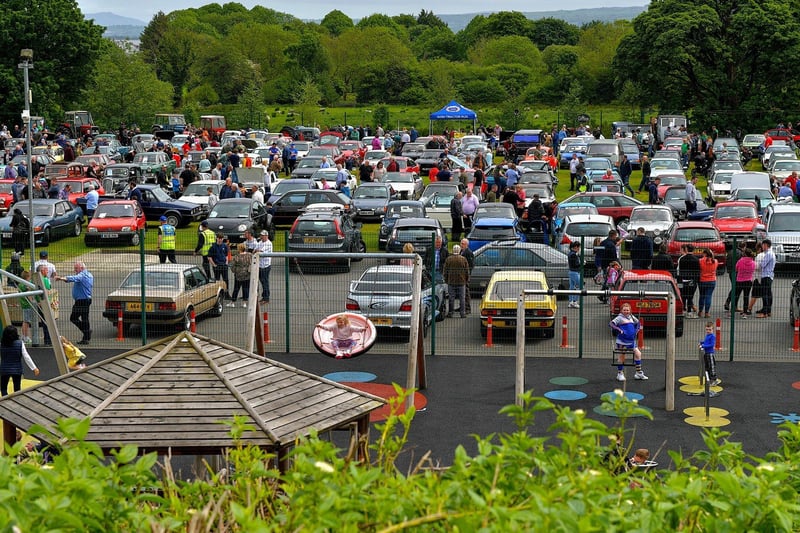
[[353, 284]]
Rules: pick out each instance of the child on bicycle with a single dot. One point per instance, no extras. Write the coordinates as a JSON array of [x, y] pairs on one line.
[[627, 326]]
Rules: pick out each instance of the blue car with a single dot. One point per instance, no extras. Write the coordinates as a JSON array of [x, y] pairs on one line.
[[572, 148], [491, 229], [51, 219]]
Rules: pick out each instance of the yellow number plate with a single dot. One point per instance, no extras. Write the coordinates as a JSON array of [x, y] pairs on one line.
[[382, 321], [648, 305], [137, 306], [313, 240]]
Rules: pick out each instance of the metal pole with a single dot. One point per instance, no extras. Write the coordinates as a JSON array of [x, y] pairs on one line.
[[582, 301], [733, 302], [669, 373], [27, 63], [413, 339], [286, 286], [519, 386], [143, 301], [434, 280]]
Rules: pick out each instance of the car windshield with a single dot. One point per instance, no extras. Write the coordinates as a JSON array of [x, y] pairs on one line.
[[148, 158], [509, 257], [784, 222], [735, 212], [371, 192], [588, 229], [398, 177], [230, 210], [675, 194], [672, 180], [287, 185], [575, 148], [750, 194], [152, 279], [310, 162], [597, 164], [787, 164], [39, 210], [200, 189], [6, 188], [722, 178], [383, 282], [440, 199], [510, 290], [753, 139], [696, 235], [493, 233], [665, 164], [415, 233], [375, 155], [431, 154], [117, 172], [499, 210], [113, 211], [727, 165], [650, 215]]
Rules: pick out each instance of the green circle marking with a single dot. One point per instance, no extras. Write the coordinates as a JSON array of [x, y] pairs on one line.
[[602, 410], [569, 381]]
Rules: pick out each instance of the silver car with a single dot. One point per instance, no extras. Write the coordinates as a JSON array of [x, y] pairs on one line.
[[655, 219], [505, 255], [383, 294]]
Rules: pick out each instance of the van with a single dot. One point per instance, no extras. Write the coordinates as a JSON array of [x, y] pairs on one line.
[[782, 227], [607, 148]]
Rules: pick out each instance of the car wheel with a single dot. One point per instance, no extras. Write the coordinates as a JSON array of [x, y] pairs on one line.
[[173, 219], [187, 320], [76, 231], [135, 239], [442, 310], [46, 237], [219, 306]]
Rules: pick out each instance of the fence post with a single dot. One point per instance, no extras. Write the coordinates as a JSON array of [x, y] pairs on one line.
[[120, 326], [489, 332]]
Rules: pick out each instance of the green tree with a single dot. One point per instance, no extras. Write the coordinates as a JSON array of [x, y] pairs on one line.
[[65, 48], [250, 105], [434, 43], [427, 18], [336, 22], [307, 97], [713, 53], [596, 48], [562, 61], [507, 49], [547, 31], [123, 88], [383, 21]]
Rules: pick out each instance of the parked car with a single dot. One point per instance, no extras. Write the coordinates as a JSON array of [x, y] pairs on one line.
[[325, 228], [616, 205], [487, 230], [168, 124], [500, 302], [51, 219], [664, 165], [737, 221], [289, 206], [437, 197], [233, 216], [655, 219], [151, 162], [172, 292], [494, 210], [583, 227], [115, 222], [407, 185], [6, 196], [420, 232], [306, 167], [703, 235], [413, 150], [117, 177], [384, 295], [370, 200], [782, 227], [428, 159], [395, 210], [291, 184], [516, 255], [675, 198], [578, 148], [79, 187], [156, 203], [404, 164], [197, 192], [651, 311]]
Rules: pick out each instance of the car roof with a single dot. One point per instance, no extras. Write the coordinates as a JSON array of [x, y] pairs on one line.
[[652, 206], [418, 221], [235, 201], [694, 224], [390, 268], [655, 275], [519, 275], [517, 244], [166, 267], [588, 218]]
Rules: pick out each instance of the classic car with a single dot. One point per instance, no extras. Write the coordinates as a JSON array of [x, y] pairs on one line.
[[407, 185], [115, 222], [51, 219], [168, 124], [654, 219], [197, 192], [500, 302], [616, 205], [517, 255], [173, 292], [396, 210], [651, 311], [78, 188], [437, 197], [151, 162], [233, 216], [737, 221], [156, 203], [117, 177]]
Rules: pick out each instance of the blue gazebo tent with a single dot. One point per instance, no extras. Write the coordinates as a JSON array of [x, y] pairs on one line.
[[453, 111]]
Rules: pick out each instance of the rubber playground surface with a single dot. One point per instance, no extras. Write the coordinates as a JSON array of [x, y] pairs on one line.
[[464, 395]]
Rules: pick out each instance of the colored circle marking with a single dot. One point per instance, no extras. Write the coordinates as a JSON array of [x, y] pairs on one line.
[[609, 396], [360, 377], [569, 381], [565, 395]]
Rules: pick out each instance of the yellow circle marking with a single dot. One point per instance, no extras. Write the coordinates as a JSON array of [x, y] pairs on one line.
[[710, 422], [697, 389], [701, 411], [689, 380]]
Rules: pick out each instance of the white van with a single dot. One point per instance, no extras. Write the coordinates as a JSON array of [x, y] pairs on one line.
[[607, 148]]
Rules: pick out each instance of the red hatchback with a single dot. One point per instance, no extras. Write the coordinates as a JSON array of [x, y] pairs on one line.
[[651, 311], [115, 222], [701, 234], [6, 196], [614, 204]]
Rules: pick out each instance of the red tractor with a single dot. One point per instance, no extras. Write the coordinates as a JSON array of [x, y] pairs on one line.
[[77, 124]]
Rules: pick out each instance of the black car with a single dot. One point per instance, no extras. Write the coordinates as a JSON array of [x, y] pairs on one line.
[[370, 201], [156, 203], [307, 166], [396, 210], [325, 229], [420, 232], [233, 216], [428, 159], [289, 206]]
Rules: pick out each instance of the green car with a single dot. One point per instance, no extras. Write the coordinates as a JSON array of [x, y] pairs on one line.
[[151, 162]]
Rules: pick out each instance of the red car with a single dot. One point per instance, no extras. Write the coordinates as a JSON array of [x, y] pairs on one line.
[[783, 134], [701, 234], [6, 196], [116, 221], [668, 180], [614, 204], [652, 312], [736, 220], [79, 187]]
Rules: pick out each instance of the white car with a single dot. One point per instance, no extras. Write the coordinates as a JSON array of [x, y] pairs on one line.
[[407, 185], [783, 168], [660, 166], [586, 227], [197, 192], [655, 219]]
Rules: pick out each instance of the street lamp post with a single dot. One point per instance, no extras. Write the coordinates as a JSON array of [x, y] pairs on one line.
[[26, 58]]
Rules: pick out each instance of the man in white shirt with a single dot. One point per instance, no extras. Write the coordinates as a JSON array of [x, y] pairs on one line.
[[264, 245], [44, 260], [257, 194]]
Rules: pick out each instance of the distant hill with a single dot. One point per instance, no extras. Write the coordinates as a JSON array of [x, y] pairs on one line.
[[579, 17], [118, 27]]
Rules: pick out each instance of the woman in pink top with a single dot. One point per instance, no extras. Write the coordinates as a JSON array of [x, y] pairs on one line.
[[745, 269]]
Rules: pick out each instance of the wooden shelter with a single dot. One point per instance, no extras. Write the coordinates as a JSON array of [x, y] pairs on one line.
[[172, 394]]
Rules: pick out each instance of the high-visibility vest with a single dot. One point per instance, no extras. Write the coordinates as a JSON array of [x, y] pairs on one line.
[[208, 239], [167, 237]]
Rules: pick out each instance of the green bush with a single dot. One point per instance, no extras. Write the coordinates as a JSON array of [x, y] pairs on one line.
[[573, 480]]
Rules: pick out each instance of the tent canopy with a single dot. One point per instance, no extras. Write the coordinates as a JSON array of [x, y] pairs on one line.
[[454, 111]]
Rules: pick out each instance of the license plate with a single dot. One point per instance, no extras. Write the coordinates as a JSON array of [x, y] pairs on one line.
[[109, 236], [137, 306], [313, 240], [648, 305], [382, 321], [367, 212]]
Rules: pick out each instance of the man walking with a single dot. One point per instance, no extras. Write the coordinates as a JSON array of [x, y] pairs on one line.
[[625, 172], [166, 241], [264, 245], [470, 257], [767, 275], [205, 238], [82, 294], [691, 196], [457, 216], [456, 275]]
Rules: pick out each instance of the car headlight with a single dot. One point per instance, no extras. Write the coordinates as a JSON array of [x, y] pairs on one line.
[[126, 228], [658, 240], [656, 232], [92, 230], [241, 227], [778, 248]]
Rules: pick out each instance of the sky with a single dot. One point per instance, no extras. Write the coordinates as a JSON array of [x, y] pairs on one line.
[[317, 9]]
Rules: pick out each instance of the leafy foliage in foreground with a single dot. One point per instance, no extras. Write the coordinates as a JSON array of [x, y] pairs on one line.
[[514, 482]]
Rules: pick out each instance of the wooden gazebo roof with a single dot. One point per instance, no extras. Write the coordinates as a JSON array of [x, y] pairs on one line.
[[174, 393]]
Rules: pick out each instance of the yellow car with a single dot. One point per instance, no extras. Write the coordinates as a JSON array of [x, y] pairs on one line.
[[500, 302], [172, 292]]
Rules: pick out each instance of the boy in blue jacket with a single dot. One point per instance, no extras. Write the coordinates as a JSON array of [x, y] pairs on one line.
[[627, 327], [708, 344]]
